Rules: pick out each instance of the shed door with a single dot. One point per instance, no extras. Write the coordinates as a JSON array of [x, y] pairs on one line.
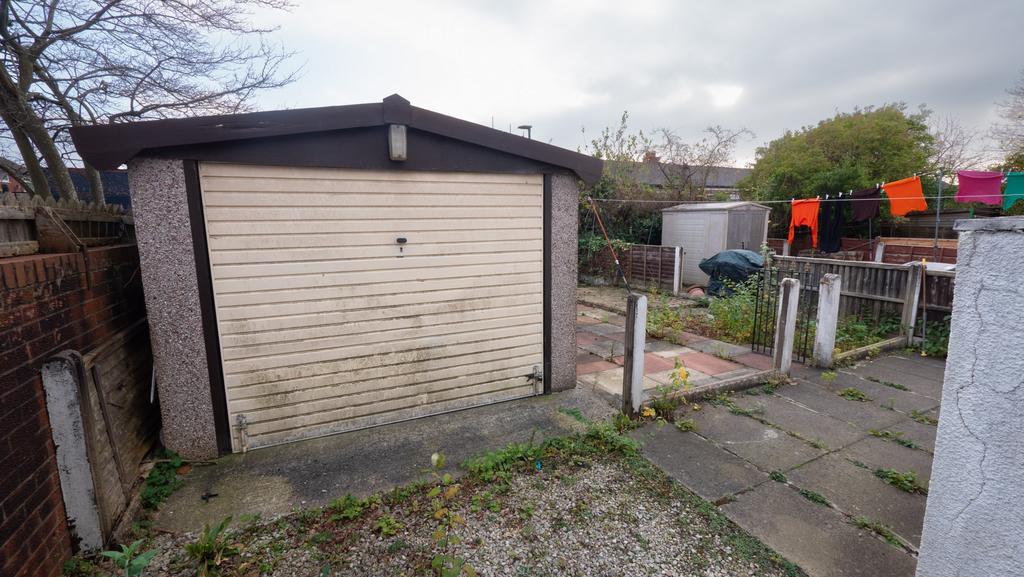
[[328, 322]]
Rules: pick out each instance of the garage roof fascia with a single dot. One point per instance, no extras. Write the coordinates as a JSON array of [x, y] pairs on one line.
[[108, 146]]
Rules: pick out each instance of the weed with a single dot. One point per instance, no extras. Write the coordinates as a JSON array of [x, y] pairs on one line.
[[397, 545], [211, 549], [889, 384], [162, 479], [829, 377], [446, 562], [347, 508], [686, 425], [485, 500], [814, 497], [499, 464], [923, 418], [878, 529], [778, 476], [387, 526], [249, 518], [129, 560], [895, 437], [936, 339], [903, 481], [574, 413], [854, 394]]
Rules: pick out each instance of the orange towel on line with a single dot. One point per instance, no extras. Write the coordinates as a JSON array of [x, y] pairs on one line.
[[804, 213], [905, 196]]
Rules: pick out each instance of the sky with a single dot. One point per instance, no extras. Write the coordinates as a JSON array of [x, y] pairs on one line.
[[570, 68]]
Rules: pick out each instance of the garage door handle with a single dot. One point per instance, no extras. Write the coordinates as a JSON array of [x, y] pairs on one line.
[[401, 240]]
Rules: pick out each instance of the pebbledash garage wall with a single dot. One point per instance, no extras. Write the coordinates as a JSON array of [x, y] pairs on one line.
[[335, 172]]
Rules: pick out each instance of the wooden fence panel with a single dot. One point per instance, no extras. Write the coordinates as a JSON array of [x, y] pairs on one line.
[[31, 224]]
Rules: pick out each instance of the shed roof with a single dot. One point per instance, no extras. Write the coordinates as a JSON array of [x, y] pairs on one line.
[[698, 206], [111, 145]]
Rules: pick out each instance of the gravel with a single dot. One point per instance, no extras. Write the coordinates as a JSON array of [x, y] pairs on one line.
[[605, 518]]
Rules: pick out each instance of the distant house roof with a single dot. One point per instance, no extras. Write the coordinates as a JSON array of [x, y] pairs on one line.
[[111, 145], [696, 206], [115, 186], [659, 174]]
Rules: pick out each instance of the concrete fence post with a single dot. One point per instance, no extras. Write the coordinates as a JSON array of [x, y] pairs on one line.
[[829, 291], [677, 270], [633, 361], [972, 523], [785, 325], [785, 248], [879, 251], [911, 300]]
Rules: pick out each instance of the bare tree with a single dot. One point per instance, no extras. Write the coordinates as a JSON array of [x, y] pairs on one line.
[[1010, 132], [70, 62], [688, 166], [956, 148]]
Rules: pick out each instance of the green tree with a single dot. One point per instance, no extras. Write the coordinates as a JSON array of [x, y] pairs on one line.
[[851, 150]]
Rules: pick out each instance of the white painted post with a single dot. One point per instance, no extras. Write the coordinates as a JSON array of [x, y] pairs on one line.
[[677, 269], [879, 251], [785, 325], [785, 248], [911, 300], [633, 361], [829, 290]]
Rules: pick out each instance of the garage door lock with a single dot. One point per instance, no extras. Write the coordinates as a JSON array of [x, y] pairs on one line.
[[537, 378]]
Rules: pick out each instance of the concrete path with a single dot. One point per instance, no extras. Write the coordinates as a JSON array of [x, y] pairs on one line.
[[600, 338], [797, 467], [275, 480]]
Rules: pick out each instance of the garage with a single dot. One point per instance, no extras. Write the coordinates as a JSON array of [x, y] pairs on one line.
[[316, 271]]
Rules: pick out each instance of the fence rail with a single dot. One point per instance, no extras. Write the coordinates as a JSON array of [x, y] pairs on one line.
[[645, 266], [31, 224]]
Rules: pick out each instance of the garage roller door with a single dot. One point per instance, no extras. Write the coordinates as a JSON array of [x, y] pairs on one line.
[[329, 321]]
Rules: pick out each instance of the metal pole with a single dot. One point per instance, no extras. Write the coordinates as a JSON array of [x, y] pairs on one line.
[[938, 213]]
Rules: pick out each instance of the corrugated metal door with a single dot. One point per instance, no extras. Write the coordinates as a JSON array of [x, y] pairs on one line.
[[329, 322]]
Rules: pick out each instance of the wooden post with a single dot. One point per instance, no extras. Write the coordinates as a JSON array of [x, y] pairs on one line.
[[829, 290], [785, 325], [880, 251], [677, 270], [911, 300], [633, 361]]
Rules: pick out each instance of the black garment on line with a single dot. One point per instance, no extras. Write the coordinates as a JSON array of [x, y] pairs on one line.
[[830, 226], [866, 203]]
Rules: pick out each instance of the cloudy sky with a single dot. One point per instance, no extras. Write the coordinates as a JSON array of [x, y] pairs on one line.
[[563, 66]]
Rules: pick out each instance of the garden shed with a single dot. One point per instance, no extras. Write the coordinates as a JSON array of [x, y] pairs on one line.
[[315, 271], [704, 229]]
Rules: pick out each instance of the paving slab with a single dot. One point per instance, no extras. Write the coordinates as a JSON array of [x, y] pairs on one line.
[[604, 329], [664, 348], [858, 492], [885, 371], [766, 447], [585, 338], [754, 360], [879, 453], [816, 538], [928, 367], [719, 348], [582, 319], [921, 433], [593, 367], [604, 348], [686, 338], [702, 467], [652, 363], [809, 424], [862, 414], [665, 377], [707, 364], [882, 395]]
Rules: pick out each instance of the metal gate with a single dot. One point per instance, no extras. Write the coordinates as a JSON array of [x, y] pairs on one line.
[[766, 312]]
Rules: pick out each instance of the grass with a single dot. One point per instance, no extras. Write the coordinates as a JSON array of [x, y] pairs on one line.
[[879, 529], [923, 418], [778, 476], [854, 394], [814, 497], [907, 481], [889, 384], [895, 437]]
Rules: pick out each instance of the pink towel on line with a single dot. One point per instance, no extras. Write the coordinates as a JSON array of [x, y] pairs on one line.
[[980, 186]]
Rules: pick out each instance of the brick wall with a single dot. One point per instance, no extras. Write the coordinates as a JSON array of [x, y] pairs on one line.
[[49, 303]]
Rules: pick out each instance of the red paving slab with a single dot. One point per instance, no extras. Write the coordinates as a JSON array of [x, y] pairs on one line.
[[585, 320], [755, 361], [652, 363], [585, 338], [707, 364], [688, 338], [594, 367]]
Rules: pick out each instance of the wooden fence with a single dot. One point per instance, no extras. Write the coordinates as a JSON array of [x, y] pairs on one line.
[[873, 290], [31, 224], [645, 266], [893, 250]]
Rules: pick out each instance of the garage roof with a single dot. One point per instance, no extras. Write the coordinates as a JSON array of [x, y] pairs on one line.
[[111, 145], [728, 205]]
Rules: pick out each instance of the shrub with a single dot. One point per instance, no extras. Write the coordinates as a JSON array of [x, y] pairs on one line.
[[211, 549], [162, 479], [129, 560]]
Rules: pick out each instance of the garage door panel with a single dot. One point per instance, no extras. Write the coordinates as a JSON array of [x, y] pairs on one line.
[[365, 333], [343, 281], [444, 367], [518, 387], [420, 341], [254, 305], [325, 325], [306, 401], [399, 319], [359, 261]]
